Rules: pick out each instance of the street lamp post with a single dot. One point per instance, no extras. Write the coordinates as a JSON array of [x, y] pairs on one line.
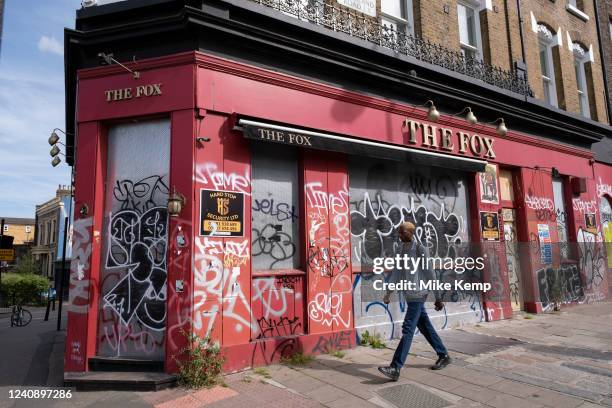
[[55, 151]]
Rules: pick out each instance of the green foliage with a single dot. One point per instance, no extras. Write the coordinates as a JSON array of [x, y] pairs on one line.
[[372, 340], [297, 359], [528, 317], [262, 371], [201, 362], [22, 288], [25, 265], [338, 353]]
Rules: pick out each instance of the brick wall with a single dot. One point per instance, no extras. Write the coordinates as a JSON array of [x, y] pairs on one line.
[[437, 21], [562, 22], [605, 18]]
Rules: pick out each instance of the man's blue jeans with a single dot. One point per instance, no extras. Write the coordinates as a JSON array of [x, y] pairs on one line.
[[416, 316]]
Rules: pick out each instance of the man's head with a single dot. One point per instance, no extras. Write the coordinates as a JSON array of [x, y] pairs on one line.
[[406, 231]]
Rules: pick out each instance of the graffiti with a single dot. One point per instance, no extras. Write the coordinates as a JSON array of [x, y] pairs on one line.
[[562, 284], [209, 175], [140, 195], [276, 246], [273, 298], [287, 281], [603, 189], [583, 206], [76, 354], [279, 210], [327, 309], [539, 203], [78, 293], [593, 262], [276, 327], [335, 341], [214, 281], [376, 227], [137, 241], [236, 253], [266, 352], [384, 194]]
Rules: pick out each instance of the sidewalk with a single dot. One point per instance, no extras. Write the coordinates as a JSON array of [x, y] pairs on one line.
[[560, 360]]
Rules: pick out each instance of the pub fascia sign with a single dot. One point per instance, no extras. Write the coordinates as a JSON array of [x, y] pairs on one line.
[[363, 6], [424, 135], [439, 138], [141, 91]]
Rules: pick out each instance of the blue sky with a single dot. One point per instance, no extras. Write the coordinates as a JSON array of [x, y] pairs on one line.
[[31, 101]]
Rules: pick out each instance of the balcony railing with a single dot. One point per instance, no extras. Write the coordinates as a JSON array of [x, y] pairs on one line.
[[369, 29]]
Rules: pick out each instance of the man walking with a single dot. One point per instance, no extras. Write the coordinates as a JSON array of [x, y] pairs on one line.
[[416, 315]]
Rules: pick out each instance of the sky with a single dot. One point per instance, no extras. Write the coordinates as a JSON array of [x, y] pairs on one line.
[[32, 101]]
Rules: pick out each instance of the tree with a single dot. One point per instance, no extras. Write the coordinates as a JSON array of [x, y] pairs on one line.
[[25, 264]]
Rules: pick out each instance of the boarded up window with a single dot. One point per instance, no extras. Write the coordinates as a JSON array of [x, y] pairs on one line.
[[275, 206]]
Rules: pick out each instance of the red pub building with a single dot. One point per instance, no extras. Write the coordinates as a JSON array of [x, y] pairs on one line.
[[238, 168]]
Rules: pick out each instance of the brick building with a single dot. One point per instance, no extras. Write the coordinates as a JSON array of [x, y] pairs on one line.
[[604, 12], [243, 181], [49, 240]]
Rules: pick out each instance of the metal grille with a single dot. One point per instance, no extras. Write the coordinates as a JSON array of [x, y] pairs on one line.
[[357, 25], [410, 396]]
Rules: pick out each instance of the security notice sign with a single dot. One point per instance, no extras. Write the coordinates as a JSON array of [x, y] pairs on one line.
[[7, 255], [221, 213]]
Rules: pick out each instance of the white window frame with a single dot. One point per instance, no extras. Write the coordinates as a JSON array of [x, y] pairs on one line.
[[572, 7], [6, 227], [28, 229], [394, 22], [476, 7], [545, 40], [581, 57]]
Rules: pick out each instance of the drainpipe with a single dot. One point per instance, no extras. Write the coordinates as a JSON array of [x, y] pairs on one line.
[[603, 59], [521, 64]]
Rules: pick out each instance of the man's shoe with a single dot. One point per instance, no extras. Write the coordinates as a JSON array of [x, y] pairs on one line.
[[391, 372], [441, 363]]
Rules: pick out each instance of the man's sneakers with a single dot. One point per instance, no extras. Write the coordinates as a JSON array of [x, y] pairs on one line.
[[391, 372], [441, 363]]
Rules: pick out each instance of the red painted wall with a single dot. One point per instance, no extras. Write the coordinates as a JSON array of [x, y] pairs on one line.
[[222, 297]]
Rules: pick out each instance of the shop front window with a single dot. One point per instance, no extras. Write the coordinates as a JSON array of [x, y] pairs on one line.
[[383, 194], [275, 207], [560, 217]]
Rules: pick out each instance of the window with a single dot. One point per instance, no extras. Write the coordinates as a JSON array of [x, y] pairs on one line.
[[469, 30], [580, 59], [52, 235], [28, 229], [576, 7], [397, 15], [610, 28], [40, 233], [546, 65], [561, 218], [275, 207], [6, 227]]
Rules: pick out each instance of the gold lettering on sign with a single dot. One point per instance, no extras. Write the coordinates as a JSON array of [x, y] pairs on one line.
[[123, 94], [447, 143]]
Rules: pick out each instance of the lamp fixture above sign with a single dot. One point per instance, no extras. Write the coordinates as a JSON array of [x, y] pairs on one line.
[[363, 6]]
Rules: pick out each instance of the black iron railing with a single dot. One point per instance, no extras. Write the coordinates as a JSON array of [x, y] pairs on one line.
[[369, 29]]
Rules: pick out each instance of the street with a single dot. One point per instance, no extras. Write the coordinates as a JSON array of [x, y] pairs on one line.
[[555, 360]]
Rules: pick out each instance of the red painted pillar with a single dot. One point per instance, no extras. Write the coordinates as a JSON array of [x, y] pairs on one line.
[[90, 169], [180, 235]]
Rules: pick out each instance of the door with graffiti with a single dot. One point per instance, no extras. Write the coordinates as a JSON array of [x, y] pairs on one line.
[[512, 258], [511, 244], [133, 273]]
